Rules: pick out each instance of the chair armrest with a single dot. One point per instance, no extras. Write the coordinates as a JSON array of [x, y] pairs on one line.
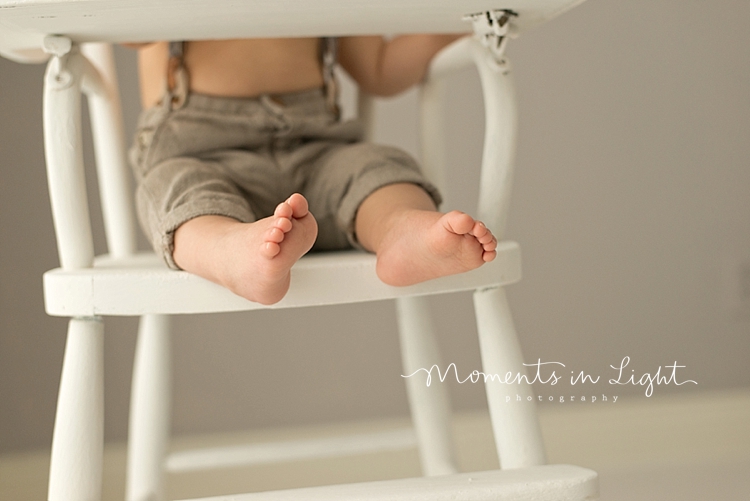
[[453, 57], [500, 126]]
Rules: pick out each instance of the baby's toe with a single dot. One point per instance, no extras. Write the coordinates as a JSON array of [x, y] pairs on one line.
[[486, 238], [479, 230], [274, 235], [283, 210], [282, 223], [299, 205], [458, 222], [270, 249], [490, 246]]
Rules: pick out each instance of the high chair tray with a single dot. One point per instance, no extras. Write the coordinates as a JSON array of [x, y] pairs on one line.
[[24, 23]]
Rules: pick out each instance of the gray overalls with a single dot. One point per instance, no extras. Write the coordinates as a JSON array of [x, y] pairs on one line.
[[197, 154]]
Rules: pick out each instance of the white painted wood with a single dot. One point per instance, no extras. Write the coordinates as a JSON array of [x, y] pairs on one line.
[[454, 57], [109, 146], [64, 157], [23, 23], [540, 483], [150, 400], [499, 139], [78, 440], [515, 425], [518, 437], [429, 405], [295, 450], [142, 284]]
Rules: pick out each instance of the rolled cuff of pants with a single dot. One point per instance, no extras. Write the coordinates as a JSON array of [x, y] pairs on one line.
[[369, 182], [164, 230]]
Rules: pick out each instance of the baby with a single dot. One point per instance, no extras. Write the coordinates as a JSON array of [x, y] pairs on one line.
[[243, 165]]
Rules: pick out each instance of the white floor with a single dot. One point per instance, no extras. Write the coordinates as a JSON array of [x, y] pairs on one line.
[[690, 447]]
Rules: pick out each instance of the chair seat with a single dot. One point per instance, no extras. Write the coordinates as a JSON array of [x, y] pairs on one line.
[[142, 284], [537, 483]]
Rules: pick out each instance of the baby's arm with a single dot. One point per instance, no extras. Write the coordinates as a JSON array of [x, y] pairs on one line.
[[386, 67], [136, 45]]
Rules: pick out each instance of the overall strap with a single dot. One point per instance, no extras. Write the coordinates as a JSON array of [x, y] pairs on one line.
[[328, 61], [177, 81]]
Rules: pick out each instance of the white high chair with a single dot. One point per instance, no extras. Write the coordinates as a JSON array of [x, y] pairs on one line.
[[124, 282]]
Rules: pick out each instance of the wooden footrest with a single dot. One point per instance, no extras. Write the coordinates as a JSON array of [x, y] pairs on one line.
[[537, 483]]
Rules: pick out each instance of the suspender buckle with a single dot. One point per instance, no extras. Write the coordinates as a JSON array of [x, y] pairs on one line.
[[328, 60], [177, 82]]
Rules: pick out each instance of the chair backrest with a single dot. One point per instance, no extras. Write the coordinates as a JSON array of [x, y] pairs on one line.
[[109, 146], [69, 74]]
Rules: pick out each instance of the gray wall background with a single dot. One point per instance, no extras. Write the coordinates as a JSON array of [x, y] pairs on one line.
[[631, 205]]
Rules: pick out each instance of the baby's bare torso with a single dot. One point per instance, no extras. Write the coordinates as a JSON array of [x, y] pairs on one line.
[[236, 68]]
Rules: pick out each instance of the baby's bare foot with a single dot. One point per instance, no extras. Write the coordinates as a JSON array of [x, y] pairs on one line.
[[265, 251], [252, 260], [422, 245]]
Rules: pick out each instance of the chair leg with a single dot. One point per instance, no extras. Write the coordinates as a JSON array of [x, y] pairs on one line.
[[78, 439], [430, 406], [149, 411], [518, 437]]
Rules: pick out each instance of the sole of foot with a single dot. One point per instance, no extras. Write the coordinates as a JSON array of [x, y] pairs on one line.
[[265, 251], [423, 245]]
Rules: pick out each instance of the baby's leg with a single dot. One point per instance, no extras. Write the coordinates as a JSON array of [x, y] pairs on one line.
[[253, 260], [414, 242]]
